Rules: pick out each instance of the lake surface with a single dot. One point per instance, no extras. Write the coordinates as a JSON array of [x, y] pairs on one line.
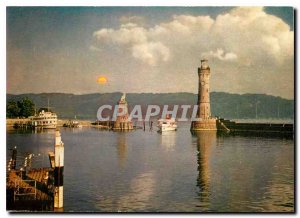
[[173, 172]]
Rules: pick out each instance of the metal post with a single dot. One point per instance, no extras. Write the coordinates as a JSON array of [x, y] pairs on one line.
[[35, 189], [15, 190], [58, 171], [14, 158]]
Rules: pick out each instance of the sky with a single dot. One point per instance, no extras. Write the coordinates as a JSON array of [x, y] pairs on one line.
[[150, 49]]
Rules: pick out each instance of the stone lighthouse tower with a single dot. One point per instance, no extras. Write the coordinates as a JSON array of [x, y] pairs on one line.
[[122, 121], [205, 121]]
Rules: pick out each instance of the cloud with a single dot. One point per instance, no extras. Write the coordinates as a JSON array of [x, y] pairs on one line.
[[244, 41], [132, 19], [247, 32], [151, 53], [128, 34], [94, 48], [220, 54], [136, 39]]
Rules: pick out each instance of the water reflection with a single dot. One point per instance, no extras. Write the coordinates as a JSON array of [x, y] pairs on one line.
[[140, 191], [247, 174], [29, 131], [168, 140], [40, 143], [137, 171], [205, 141], [122, 149], [135, 197], [71, 130]]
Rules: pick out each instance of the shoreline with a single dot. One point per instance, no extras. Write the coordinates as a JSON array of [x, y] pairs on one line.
[[10, 121]]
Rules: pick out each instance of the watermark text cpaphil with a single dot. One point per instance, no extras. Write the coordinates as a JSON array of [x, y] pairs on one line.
[[186, 112]]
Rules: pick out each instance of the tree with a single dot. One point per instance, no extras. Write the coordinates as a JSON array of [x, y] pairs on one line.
[[26, 107], [12, 109]]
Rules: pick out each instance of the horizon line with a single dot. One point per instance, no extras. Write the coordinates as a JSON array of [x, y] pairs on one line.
[[93, 93]]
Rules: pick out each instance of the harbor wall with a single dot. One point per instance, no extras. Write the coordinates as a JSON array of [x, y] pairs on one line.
[[236, 127]]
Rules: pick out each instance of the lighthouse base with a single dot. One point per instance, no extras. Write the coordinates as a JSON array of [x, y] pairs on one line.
[[122, 126], [204, 125]]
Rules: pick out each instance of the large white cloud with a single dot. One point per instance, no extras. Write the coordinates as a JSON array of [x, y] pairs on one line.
[[243, 32], [246, 42], [220, 54], [137, 40]]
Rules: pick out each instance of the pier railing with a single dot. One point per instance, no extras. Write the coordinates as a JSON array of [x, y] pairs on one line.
[[24, 188]]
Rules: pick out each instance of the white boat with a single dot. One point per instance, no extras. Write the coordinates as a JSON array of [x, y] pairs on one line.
[[76, 124], [46, 120], [72, 124], [167, 124]]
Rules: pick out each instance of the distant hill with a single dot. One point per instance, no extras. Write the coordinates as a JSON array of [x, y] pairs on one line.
[[226, 105]]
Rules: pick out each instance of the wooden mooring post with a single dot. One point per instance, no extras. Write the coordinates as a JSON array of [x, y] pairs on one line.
[[58, 173]]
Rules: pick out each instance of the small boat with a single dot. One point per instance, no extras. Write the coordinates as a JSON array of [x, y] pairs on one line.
[[167, 124], [72, 124], [45, 119]]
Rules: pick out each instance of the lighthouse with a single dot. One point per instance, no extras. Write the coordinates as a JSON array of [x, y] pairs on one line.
[[122, 122], [204, 120]]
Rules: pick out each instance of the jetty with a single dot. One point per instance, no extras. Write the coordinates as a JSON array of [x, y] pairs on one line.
[[36, 189], [233, 127], [31, 191]]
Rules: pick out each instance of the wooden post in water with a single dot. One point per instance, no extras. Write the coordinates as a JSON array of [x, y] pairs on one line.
[[58, 173], [14, 158]]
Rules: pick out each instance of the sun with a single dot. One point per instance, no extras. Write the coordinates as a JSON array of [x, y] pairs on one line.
[[101, 80]]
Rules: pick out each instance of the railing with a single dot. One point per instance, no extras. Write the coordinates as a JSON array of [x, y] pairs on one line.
[[23, 188]]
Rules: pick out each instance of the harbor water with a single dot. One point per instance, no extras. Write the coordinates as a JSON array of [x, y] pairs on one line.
[[145, 171]]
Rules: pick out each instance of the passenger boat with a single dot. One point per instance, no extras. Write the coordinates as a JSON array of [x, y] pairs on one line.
[[167, 124], [46, 120], [72, 124]]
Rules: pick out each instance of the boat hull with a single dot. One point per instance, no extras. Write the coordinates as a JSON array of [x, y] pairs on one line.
[[166, 129]]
